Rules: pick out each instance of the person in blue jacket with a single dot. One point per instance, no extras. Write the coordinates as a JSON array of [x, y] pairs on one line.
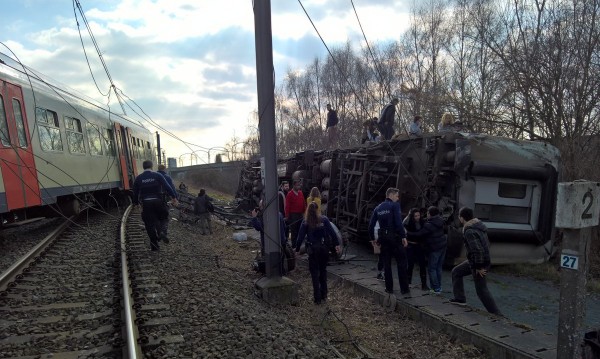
[[149, 189], [391, 238], [316, 228]]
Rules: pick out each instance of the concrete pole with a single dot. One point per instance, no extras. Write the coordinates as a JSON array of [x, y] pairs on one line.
[[577, 210], [273, 288], [576, 244], [266, 127]]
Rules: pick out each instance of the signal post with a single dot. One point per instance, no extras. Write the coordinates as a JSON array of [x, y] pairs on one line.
[[577, 210]]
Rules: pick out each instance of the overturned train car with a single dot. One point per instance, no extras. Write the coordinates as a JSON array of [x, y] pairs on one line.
[[510, 184]]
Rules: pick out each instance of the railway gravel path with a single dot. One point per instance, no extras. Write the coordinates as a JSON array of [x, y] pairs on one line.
[[208, 286]]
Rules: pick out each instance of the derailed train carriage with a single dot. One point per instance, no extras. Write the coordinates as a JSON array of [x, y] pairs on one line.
[[510, 184]]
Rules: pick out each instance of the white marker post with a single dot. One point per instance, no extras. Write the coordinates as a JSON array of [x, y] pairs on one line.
[[577, 210]]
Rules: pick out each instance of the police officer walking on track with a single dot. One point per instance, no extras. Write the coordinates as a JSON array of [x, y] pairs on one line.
[[392, 239], [148, 189]]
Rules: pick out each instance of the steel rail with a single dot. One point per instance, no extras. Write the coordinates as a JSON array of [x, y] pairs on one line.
[[27, 259], [133, 349]]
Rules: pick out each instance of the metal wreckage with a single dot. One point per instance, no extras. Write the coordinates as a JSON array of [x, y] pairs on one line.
[[510, 184]]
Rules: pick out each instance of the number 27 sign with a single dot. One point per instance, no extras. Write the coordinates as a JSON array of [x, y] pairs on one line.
[[569, 261]]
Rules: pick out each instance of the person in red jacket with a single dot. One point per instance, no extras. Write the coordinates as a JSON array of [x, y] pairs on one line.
[[294, 210]]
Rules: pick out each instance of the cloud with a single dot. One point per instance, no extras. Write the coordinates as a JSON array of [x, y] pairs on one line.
[[189, 64]]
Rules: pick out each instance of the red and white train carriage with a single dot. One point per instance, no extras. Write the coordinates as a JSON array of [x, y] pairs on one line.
[[59, 149]]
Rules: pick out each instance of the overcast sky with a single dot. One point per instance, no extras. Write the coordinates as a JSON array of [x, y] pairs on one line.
[[190, 64]]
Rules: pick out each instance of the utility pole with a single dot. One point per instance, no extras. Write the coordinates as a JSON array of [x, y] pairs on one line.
[[273, 288], [158, 148]]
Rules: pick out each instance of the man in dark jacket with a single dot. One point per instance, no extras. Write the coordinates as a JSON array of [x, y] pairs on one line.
[[201, 210], [386, 120], [331, 126], [149, 189], [391, 238], [477, 263], [435, 244]]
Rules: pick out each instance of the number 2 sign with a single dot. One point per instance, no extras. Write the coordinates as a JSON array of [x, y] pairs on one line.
[[577, 204]]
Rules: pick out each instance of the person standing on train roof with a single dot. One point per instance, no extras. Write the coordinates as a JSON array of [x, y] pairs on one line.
[[164, 223], [316, 228], [477, 264], [386, 120], [294, 209], [416, 129], [331, 125], [391, 238], [148, 190]]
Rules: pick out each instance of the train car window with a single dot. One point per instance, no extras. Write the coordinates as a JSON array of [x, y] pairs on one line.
[[133, 147], [48, 129], [75, 141], [20, 123], [512, 190], [4, 135], [109, 141], [94, 139]]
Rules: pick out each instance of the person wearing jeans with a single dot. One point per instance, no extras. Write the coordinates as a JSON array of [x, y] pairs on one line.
[[433, 235], [477, 263]]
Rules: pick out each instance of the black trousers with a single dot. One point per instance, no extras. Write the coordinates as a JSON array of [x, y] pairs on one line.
[[391, 247], [153, 212], [416, 254], [458, 287], [318, 254], [295, 221]]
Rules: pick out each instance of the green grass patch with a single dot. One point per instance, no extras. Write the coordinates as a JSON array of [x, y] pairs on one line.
[[543, 272]]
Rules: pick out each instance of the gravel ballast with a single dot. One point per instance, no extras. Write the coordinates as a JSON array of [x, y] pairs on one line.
[[210, 282]]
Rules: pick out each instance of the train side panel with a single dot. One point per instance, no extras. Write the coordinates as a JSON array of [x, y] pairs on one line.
[[73, 147]]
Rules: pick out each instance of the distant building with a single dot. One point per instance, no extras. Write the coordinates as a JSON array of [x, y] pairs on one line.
[[172, 162]]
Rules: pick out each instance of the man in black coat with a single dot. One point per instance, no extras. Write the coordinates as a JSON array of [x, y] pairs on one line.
[[331, 126], [149, 189], [386, 120]]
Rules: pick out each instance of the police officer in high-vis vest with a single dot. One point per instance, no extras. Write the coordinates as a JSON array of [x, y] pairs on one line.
[[392, 238], [149, 189]]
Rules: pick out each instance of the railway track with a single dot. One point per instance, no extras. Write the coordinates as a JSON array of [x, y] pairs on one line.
[[62, 298], [84, 290]]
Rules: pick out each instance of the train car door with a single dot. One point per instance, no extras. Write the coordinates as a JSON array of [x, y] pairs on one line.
[[124, 156], [16, 156], [134, 150]]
